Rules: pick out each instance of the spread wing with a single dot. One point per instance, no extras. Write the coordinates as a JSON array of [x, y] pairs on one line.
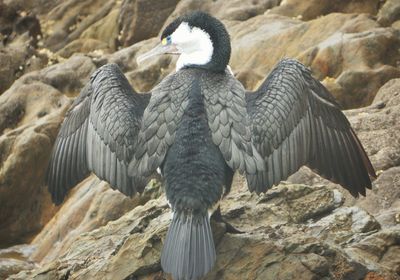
[[99, 134], [296, 122]]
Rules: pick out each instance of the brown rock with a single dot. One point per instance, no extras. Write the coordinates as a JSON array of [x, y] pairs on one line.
[[357, 63], [38, 7], [291, 230], [307, 10], [69, 19], [127, 247], [236, 10], [141, 19], [14, 260], [86, 45], [11, 59], [31, 114], [273, 249], [90, 205], [378, 129], [389, 13]]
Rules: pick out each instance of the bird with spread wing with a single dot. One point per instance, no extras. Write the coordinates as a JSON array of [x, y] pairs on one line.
[[199, 126]]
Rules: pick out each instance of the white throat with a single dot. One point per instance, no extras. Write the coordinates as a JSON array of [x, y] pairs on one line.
[[194, 44]]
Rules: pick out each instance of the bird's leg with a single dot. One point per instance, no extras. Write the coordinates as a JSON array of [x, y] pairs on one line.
[[217, 217]]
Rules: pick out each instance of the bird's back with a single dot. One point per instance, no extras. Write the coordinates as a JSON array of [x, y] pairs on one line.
[[194, 169]]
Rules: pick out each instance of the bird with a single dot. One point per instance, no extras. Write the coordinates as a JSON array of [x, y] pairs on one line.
[[199, 126]]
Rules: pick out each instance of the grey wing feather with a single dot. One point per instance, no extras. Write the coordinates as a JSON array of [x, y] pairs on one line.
[[68, 164], [99, 134], [160, 121], [296, 122], [224, 98]]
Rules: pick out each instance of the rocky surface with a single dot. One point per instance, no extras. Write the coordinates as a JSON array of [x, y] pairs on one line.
[[309, 227]]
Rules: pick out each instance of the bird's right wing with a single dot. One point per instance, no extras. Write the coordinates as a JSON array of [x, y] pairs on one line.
[[99, 134], [296, 122]]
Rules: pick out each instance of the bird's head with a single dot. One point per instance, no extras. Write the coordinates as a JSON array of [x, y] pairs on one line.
[[200, 40]]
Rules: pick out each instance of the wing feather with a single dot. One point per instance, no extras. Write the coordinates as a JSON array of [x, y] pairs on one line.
[[99, 134], [224, 99], [295, 122], [160, 122]]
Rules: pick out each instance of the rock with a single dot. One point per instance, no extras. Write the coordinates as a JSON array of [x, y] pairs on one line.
[[236, 10], [141, 19], [315, 230], [31, 112], [344, 224], [86, 45], [389, 13], [345, 48], [381, 248], [307, 10], [269, 249], [38, 7], [68, 20], [11, 61], [7, 17], [14, 260], [378, 129], [104, 30], [138, 234], [12, 266], [90, 205]]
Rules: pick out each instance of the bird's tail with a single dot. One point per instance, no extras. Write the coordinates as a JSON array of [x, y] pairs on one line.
[[189, 250]]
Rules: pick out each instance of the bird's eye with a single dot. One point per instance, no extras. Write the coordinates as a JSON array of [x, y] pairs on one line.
[[166, 40]]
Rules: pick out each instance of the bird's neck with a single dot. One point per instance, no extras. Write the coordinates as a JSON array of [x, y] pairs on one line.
[[198, 55]]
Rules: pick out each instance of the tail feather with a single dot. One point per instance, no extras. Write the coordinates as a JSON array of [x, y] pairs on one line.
[[189, 251]]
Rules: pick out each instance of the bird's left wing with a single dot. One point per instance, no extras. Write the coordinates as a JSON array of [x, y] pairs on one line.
[[296, 122], [99, 134]]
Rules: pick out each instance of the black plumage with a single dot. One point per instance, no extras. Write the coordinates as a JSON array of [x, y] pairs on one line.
[[199, 125]]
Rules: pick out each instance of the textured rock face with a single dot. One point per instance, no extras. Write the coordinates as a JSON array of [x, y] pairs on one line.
[[312, 228], [307, 10], [351, 53]]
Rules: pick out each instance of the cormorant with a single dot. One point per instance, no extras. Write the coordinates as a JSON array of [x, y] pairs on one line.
[[199, 125]]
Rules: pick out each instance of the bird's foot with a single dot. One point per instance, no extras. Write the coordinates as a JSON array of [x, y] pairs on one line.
[[217, 217]]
